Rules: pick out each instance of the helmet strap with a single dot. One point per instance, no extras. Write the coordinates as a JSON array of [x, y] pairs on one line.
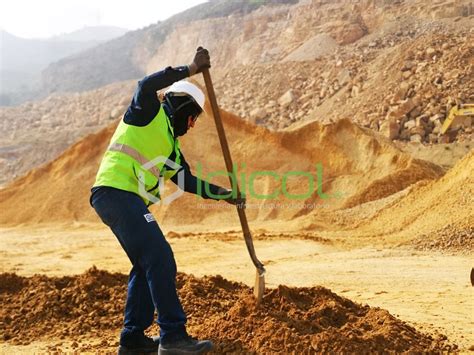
[[179, 128]]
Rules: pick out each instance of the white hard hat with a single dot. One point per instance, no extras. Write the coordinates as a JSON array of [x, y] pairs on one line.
[[187, 88]]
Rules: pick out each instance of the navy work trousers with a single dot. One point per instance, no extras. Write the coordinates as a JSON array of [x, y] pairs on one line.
[[152, 281]]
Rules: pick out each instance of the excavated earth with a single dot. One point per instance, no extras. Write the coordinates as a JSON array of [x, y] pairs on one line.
[[390, 199], [290, 320]]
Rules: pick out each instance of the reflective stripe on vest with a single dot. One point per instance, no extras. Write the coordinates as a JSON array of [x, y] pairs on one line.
[[123, 148], [136, 159]]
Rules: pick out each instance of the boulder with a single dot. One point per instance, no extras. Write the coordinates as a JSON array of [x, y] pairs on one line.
[[349, 33], [415, 112], [408, 65], [407, 74], [322, 93], [416, 138], [433, 138], [410, 124], [421, 121], [390, 129], [405, 135], [344, 77], [355, 91], [258, 114], [418, 130], [318, 46], [406, 107], [286, 99], [430, 52], [438, 117], [401, 92]]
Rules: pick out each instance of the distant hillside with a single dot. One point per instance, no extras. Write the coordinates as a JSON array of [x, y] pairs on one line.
[[127, 57], [92, 33], [24, 59]]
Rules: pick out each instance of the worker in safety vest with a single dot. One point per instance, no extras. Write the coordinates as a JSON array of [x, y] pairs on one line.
[[143, 152]]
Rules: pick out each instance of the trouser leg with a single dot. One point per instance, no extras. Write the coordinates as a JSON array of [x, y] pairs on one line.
[[151, 254], [139, 307]]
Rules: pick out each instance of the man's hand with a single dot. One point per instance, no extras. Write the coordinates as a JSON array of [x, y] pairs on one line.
[[201, 61], [227, 196]]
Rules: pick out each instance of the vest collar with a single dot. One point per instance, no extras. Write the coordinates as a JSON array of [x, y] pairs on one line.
[[166, 110]]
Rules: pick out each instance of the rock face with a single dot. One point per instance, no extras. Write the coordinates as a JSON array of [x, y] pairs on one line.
[[242, 32], [128, 57], [364, 83]]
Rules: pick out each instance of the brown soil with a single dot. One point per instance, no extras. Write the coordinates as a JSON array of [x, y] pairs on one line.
[[298, 320], [408, 283]]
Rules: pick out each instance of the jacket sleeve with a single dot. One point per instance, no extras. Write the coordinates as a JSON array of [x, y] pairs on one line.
[[193, 184], [145, 104]]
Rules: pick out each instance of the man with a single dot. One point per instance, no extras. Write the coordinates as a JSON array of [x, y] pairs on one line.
[[127, 183]]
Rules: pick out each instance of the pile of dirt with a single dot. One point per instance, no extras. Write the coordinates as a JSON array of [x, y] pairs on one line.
[[448, 239], [289, 319], [356, 166], [438, 212], [59, 189]]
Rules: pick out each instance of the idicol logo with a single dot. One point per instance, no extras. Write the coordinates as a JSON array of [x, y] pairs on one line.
[[162, 164], [246, 181]]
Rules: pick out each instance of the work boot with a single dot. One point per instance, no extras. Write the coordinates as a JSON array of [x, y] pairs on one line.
[[185, 345], [146, 345]]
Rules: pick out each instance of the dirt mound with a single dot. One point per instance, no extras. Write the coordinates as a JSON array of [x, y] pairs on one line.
[[436, 209], [449, 238], [289, 319], [57, 190], [356, 166]]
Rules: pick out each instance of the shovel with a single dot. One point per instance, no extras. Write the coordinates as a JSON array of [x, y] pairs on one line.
[[260, 278]]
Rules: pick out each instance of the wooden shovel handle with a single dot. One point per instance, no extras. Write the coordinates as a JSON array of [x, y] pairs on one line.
[[229, 166]]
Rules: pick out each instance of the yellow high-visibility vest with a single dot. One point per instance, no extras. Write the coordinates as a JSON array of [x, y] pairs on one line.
[[138, 159]]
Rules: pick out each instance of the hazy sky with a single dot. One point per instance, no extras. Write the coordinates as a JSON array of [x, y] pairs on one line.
[[45, 18]]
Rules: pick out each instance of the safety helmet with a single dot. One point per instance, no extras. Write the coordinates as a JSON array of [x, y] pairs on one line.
[[183, 87]]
